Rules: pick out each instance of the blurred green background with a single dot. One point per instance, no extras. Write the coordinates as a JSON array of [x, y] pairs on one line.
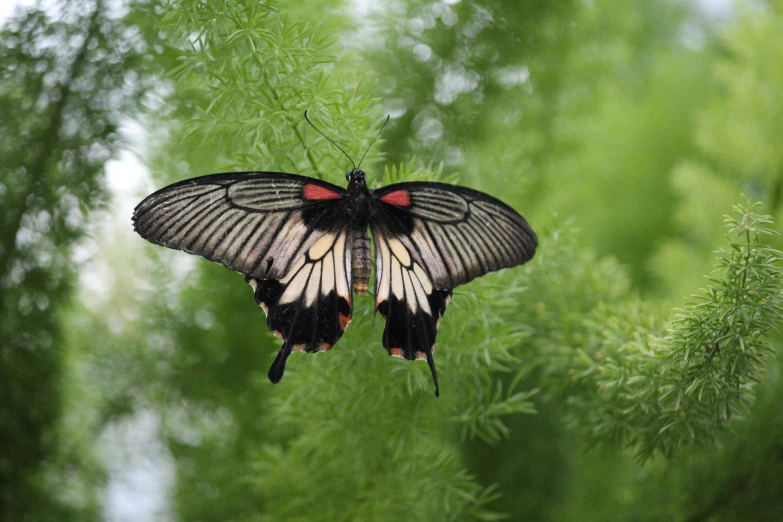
[[133, 379]]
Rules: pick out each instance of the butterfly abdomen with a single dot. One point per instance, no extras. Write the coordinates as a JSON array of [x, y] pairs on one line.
[[360, 261]]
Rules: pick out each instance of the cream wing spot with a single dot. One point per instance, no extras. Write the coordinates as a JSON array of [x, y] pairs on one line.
[[327, 280], [321, 247], [423, 278], [341, 279], [296, 286], [410, 292], [384, 269], [400, 252], [348, 259], [396, 280], [293, 270], [421, 295], [313, 285]]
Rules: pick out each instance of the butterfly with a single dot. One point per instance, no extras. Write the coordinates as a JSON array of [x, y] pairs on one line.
[[303, 246]]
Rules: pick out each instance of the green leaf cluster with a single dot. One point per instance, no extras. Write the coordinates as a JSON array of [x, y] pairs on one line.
[[622, 131], [65, 86], [660, 391]]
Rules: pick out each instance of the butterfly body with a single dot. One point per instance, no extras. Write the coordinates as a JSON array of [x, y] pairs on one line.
[[359, 203], [304, 247], [360, 261]]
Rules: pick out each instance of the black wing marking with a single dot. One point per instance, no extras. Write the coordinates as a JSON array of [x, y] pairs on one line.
[[407, 299], [310, 306], [253, 222], [457, 233]]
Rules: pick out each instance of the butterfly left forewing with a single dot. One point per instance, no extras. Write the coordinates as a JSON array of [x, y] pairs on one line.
[[309, 308]]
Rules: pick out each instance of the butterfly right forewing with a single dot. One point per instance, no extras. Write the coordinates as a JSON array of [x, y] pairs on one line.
[[430, 238], [457, 233]]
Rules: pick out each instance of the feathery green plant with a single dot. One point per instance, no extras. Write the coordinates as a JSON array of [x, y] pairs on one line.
[[250, 72], [353, 434], [657, 387]]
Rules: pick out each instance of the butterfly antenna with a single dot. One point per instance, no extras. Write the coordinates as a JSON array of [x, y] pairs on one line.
[[373, 141], [331, 140]]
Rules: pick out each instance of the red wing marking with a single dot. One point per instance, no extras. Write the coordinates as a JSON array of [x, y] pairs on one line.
[[314, 192], [344, 320], [396, 352], [399, 198]]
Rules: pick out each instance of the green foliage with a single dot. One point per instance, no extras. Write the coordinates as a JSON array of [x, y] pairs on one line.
[[620, 140], [530, 96], [661, 392], [64, 87], [747, 119], [250, 73], [737, 136], [353, 423], [738, 481]]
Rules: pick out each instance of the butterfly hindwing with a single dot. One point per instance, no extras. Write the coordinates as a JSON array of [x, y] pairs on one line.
[[255, 223], [309, 308], [407, 300]]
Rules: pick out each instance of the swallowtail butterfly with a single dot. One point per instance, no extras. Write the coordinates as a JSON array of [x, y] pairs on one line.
[[303, 246]]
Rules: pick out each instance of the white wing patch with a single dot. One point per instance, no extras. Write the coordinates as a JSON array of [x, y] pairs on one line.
[[399, 251], [313, 285], [342, 267], [321, 270], [297, 285], [327, 280], [397, 274], [321, 246]]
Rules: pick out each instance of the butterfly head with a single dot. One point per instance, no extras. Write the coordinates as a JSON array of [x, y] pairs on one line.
[[356, 177]]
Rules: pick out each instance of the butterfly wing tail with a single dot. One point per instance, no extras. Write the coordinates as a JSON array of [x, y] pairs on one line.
[[278, 367], [431, 364]]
